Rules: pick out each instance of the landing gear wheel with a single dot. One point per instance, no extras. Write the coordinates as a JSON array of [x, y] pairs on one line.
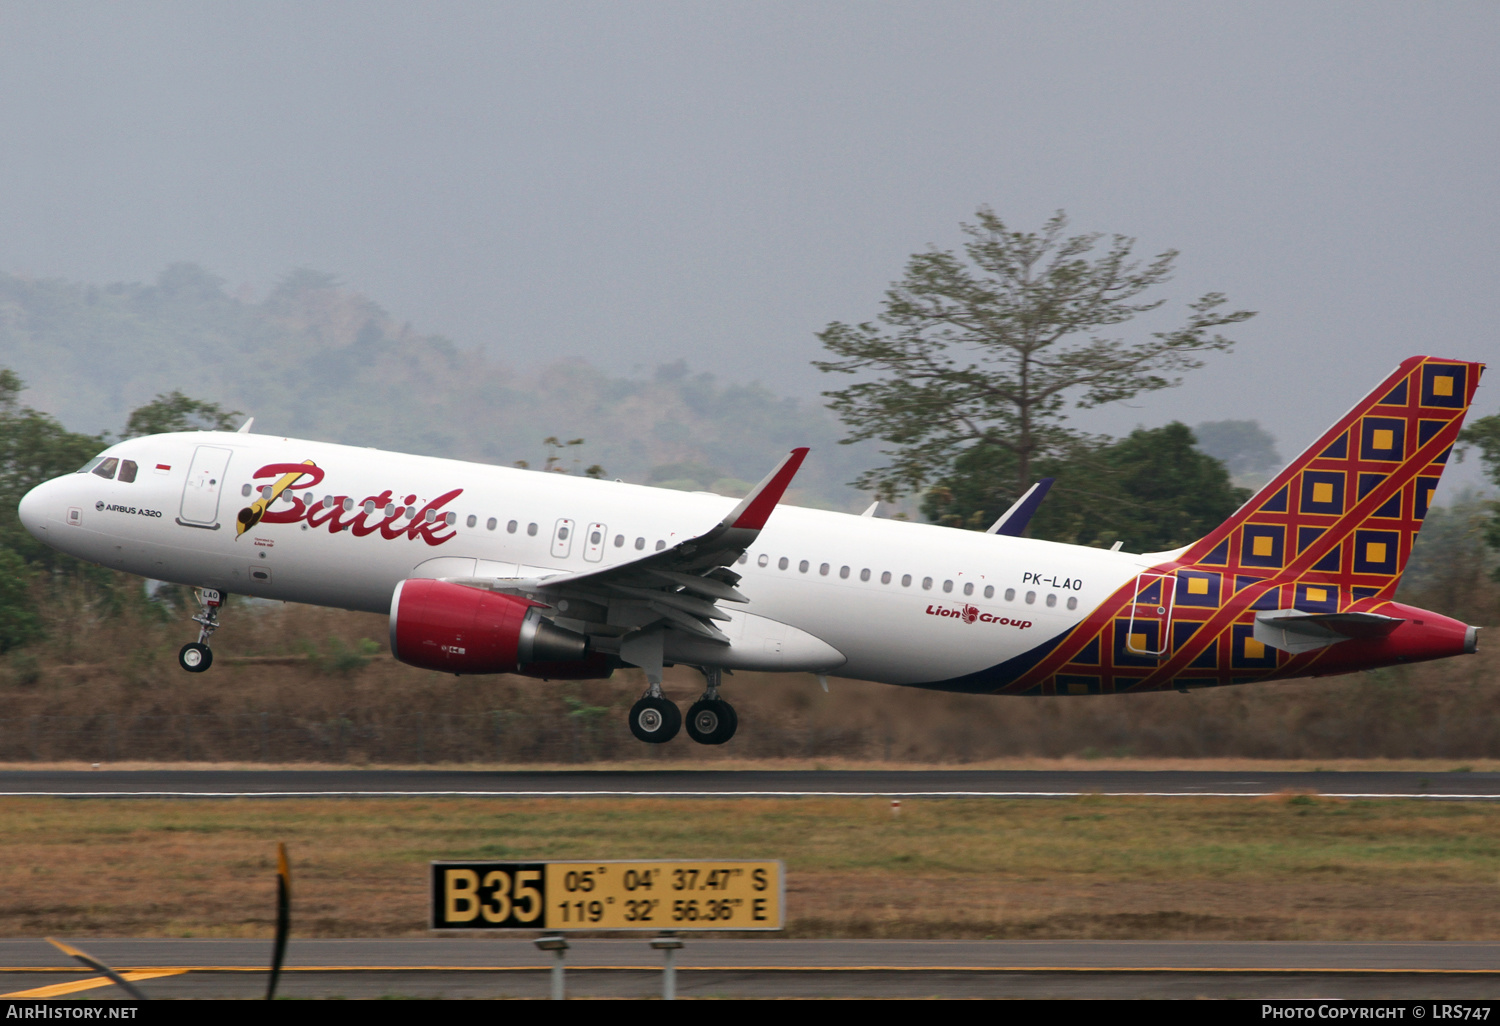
[[655, 720], [195, 658], [711, 721]]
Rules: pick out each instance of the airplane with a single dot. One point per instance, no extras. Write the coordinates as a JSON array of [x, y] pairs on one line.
[[484, 569]]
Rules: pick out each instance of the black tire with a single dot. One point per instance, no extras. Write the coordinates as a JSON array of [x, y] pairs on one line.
[[655, 720], [194, 657], [711, 722]]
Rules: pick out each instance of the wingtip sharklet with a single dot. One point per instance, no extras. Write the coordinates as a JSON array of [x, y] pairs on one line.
[[755, 509]]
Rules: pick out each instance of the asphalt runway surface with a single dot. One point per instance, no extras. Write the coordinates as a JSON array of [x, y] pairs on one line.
[[768, 968], [491, 967], [745, 783]]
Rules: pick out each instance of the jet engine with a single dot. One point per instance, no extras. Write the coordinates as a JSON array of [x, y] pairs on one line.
[[457, 629]]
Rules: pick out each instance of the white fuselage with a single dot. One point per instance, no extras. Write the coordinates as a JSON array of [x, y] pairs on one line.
[[900, 603]]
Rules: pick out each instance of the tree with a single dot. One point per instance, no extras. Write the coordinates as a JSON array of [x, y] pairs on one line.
[[555, 463], [33, 448], [1485, 433], [176, 412], [987, 351], [1151, 491], [1243, 446]]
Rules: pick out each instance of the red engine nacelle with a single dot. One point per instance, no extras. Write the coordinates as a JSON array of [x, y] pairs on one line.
[[456, 629]]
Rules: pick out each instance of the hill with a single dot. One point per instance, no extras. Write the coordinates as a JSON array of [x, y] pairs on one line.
[[314, 359]]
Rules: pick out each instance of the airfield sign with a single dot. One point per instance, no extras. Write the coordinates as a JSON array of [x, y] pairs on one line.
[[606, 895]]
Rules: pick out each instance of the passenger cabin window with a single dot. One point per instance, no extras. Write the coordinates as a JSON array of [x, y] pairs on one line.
[[927, 584], [885, 578], [781, 563], [1072, 602], [510, 528], [531, 530], [843, 573], [989, 591], [1010, 594], [474, 520], [762, 559], [864, 575], [127, 471], [906, 580], [489, 525], [969, 588], [824, 569], [948, 586], [107, 469]]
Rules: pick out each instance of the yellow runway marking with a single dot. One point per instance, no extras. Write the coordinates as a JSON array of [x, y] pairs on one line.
[[177, 970], [74, 986]]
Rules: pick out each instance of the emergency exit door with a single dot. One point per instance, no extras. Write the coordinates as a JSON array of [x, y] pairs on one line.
[[1149, 630]]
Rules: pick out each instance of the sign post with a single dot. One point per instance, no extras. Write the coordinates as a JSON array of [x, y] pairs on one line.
[[557, 944]]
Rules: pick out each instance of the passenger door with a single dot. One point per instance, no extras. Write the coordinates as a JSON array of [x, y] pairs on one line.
[[205, 481]]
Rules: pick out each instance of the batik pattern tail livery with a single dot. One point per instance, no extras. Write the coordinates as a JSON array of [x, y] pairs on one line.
[[1300, 581]]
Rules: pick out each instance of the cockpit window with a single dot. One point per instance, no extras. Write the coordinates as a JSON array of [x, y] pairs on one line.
[[90, 465], [127, 471], [107, 469]]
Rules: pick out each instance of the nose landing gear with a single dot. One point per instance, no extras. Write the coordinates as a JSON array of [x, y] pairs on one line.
[[196, 656]]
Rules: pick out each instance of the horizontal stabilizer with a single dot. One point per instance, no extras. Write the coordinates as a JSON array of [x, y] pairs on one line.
[[1294, 631]]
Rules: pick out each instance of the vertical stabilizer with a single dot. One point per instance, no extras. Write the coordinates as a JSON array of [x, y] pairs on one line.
[[1352, 504]]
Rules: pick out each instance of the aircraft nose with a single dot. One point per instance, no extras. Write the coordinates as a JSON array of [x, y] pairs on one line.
[[33, 510]]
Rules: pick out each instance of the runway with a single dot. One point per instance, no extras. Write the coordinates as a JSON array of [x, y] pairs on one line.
[[508, 966], [956, 783], [715, 967]]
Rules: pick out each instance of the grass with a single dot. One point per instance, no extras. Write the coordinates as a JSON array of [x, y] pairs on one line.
[[1291, 867], [297, 684]]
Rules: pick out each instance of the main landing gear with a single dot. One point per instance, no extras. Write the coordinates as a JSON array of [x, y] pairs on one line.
[[710, 720], [654, 719], [196, 656]]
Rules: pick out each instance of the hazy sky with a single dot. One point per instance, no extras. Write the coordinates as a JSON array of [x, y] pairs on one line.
[[632, 183]]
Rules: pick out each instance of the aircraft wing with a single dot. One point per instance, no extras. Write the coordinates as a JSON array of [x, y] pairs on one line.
[[680, 585]]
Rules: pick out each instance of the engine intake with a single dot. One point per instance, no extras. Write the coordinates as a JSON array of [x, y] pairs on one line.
[[457, 629]]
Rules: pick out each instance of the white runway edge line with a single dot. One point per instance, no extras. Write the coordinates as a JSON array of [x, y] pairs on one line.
[[733, 794]]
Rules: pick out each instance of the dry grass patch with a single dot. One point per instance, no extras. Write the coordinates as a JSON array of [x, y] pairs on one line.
[[1288, 868]]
